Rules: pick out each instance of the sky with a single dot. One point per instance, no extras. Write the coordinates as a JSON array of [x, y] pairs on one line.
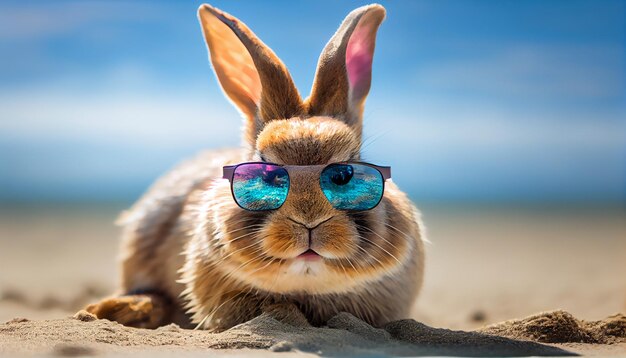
[[494, 101]]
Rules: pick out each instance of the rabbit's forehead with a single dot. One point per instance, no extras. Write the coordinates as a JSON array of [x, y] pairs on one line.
[[311, 141]]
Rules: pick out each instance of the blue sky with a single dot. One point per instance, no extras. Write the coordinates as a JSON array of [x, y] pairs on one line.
[[471, 100]]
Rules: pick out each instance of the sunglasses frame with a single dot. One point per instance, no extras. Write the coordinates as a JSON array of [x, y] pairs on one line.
[[228, 172]]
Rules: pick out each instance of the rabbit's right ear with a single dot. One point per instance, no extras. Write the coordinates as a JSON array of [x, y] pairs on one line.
[[250, 74], [344, 70]]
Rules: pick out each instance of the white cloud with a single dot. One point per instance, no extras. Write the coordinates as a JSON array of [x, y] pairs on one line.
[[124, 108], [152, 120], [124, 103], [436, 142], [450, 147], [49, 19], [484, 127], [532, 70]]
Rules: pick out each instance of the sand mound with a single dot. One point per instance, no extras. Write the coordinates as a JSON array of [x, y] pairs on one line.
[[562, 327], [345, 335]]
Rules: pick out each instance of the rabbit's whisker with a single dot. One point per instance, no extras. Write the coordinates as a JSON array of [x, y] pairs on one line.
[[380, 247], [370, 255], [254, 232], [244, 228], [222, 259], [382, 238]]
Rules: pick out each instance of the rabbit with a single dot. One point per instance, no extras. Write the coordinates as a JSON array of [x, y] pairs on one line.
[[191, 256]]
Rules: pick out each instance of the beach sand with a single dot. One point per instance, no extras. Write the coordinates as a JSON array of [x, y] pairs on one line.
[[484, 266]]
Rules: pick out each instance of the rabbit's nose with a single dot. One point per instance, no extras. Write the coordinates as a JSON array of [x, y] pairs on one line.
[[310, 225], [310, 228]]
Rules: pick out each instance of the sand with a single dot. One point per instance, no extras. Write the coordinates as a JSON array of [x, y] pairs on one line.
[[345, 335], [486, 270]]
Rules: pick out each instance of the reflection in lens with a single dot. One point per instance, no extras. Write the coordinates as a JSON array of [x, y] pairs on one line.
[[260, 186], [352, 186], [342, 174]]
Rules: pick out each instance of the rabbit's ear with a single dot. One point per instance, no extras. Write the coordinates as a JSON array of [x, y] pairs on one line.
[[250, 74], [344, 70]]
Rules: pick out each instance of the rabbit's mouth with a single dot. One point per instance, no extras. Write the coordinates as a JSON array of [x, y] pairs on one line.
[[309, 255]]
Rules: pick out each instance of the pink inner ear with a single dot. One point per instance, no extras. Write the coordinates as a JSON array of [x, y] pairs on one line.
[[359, 56]]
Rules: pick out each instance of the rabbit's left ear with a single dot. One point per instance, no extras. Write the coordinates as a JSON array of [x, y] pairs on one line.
[[250, 74], [344, 70]]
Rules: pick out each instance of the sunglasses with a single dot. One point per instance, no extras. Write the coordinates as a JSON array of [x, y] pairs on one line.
[[260, 186]]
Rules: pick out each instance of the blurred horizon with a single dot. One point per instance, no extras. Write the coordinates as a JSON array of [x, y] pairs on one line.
[[471, 101]]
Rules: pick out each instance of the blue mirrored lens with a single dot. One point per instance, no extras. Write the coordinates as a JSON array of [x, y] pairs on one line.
[[260, 186], [352, 186]]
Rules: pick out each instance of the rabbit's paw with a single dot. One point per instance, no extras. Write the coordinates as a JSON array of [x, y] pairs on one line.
[[141, 311]]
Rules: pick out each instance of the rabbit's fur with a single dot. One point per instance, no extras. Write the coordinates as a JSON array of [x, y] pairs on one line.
[[191, 256]]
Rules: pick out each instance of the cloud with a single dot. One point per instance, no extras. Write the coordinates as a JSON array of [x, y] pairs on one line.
[[66, 140], [493, 126], [51, 19], [442, 147], [527, 70], [489, 123], [152, 119], [58, 138]]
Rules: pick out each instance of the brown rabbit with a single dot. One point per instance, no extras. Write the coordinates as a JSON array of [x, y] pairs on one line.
[[192, 256]]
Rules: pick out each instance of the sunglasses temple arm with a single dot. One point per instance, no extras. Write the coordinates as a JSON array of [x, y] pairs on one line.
[[228, 172], [386, 172]]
